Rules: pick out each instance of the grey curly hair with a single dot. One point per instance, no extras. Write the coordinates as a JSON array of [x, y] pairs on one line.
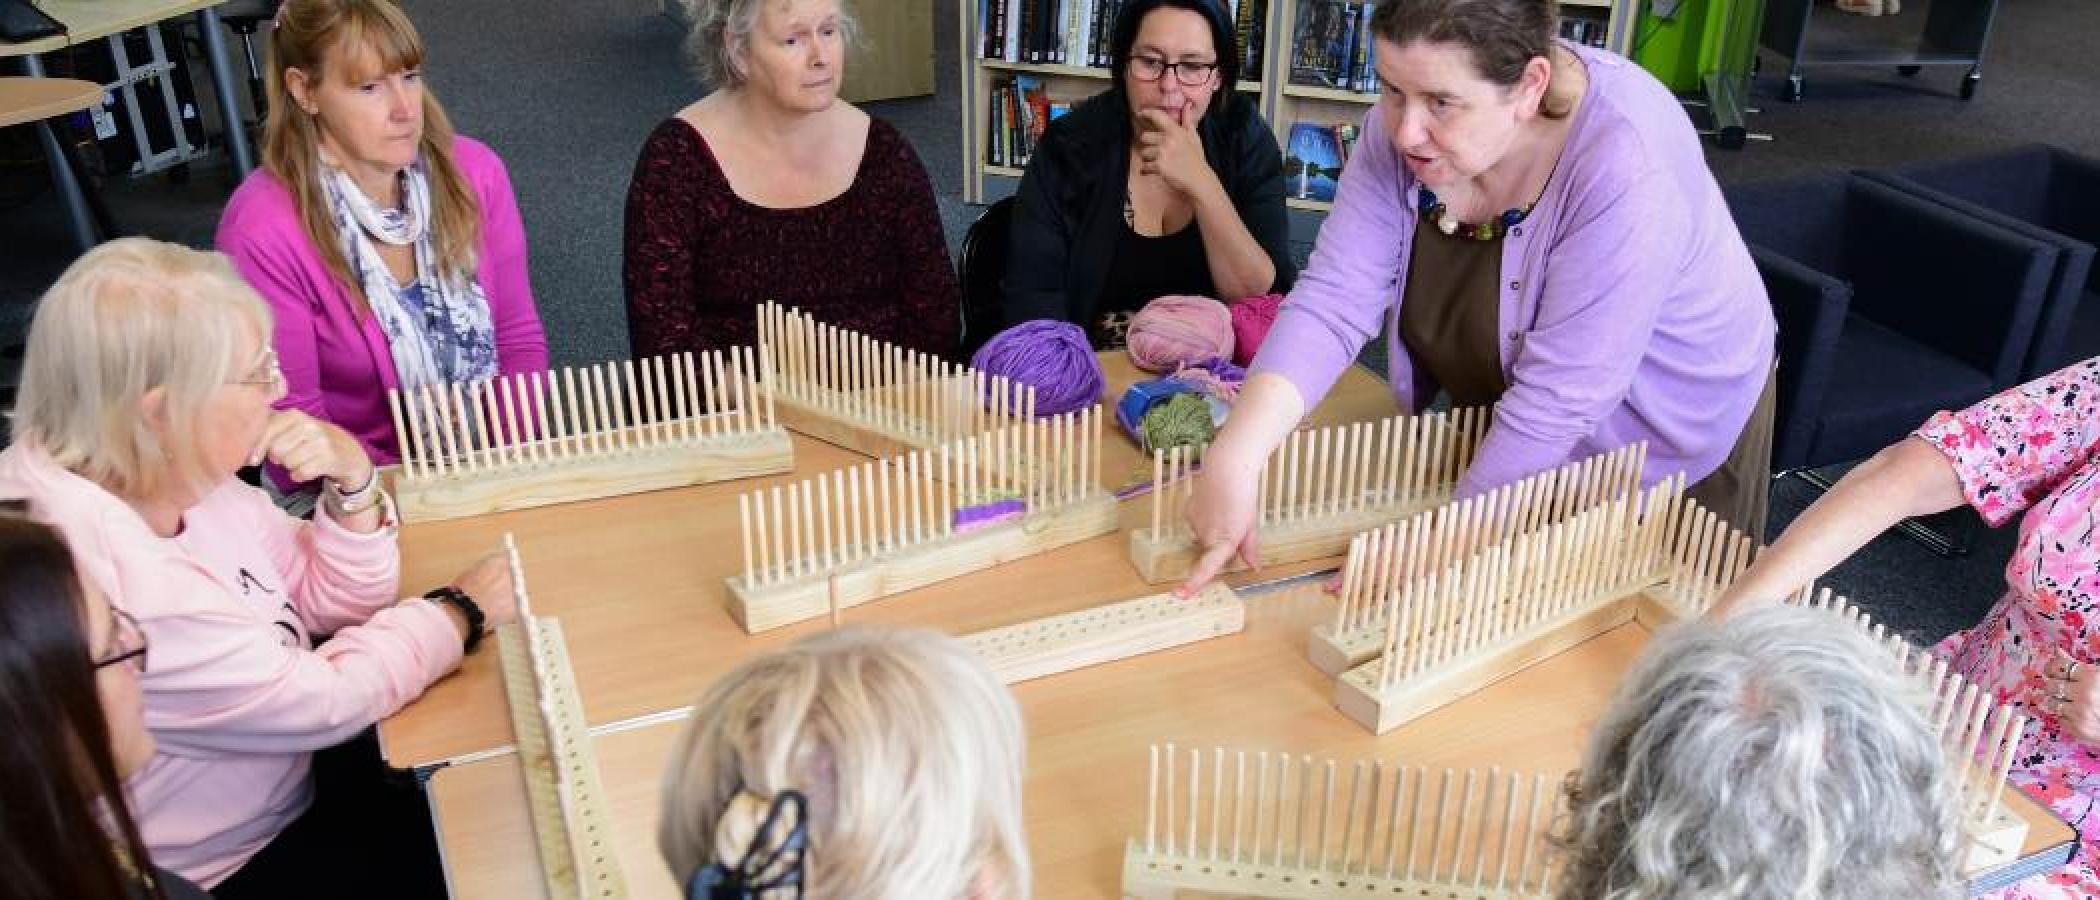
[[1777, 754], [722, 29]]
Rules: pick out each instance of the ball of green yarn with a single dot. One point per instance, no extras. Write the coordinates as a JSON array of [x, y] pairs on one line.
[[1182, 421]]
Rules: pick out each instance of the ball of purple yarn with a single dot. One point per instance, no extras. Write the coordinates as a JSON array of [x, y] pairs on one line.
[[1178, 329], [1053, 357]]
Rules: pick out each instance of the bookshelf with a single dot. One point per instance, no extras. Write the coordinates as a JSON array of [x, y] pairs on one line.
[[1283, 100]]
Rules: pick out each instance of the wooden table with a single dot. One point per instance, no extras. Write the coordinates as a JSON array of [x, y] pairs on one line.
[[646, 631], [637, 583], [89, 20], [26, 100], [1088, 737]]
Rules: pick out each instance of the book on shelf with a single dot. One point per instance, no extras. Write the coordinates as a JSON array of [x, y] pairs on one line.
[[1332, 46], [1585, 30], [1079, 32], [1312, 163], [1020, 108]]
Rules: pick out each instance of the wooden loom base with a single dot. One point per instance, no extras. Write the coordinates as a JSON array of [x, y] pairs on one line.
[[1162, 876], [866, 440], [1996, 841], [1358, 697], [459, 494], [544, 759], [1334, 654], [765, 607], [1107, 633], [1161, 559], [852, 432]]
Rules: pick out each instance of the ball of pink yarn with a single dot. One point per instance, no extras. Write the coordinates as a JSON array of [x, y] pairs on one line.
[[1251, 319], [1179, 329]]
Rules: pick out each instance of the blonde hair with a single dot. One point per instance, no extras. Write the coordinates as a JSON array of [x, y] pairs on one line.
[[909, 752], [127, 317], [722, 30], [307, 32]]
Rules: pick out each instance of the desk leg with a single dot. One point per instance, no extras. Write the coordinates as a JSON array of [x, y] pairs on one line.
[[222, 87], [70, 195]]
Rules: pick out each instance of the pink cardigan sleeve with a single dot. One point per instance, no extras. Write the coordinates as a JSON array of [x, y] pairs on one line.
[[261, 233], [521, 344]]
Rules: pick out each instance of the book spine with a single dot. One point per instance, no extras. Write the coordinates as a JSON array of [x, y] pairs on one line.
[[1362, 64]]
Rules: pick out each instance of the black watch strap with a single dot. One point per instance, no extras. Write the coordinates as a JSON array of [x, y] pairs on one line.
[[467, 607]]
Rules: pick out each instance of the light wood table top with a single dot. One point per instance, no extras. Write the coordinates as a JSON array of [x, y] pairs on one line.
[[637, 582], [1089, 732], [25, 100], [88, 20]]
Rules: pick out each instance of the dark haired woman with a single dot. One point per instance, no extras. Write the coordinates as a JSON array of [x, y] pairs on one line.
[[1533, 225], [1166, 183], [74, 716]]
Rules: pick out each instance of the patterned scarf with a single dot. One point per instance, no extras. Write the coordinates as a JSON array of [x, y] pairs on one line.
[[438, 327]]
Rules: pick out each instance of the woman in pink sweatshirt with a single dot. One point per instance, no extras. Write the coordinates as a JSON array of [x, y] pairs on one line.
[[147, 383], [389, 247]]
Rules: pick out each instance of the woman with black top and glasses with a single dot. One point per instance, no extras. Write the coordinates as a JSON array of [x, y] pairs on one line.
[[1166, 183], [74, 717]]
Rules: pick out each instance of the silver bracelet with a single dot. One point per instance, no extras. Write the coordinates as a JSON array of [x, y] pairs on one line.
[[353, 502]]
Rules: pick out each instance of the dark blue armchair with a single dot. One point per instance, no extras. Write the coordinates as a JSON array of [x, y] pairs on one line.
[[2045, 193], [1890, 308]]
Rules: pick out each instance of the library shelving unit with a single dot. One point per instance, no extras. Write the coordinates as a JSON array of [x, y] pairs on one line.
[[1282, 102]]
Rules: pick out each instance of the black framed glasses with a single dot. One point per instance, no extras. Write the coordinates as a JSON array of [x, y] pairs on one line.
[[1190, 74], [129, 641]]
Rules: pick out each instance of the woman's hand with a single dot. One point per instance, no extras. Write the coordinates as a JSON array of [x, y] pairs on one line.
[[1221, 516], [488, 584], [309, 448], [2073, 696], [1171, 149]]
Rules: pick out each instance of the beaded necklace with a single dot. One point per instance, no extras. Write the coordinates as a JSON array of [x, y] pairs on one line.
[[1440, 216]]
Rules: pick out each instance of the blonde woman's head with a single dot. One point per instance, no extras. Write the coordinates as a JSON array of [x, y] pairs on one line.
[[146, 368], [908, 752]]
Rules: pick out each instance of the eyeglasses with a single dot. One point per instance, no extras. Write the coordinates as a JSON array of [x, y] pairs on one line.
[[266, 373], [1190, 74], [130, 642]]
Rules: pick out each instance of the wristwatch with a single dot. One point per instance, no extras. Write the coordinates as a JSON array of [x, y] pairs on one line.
[[458, 599]]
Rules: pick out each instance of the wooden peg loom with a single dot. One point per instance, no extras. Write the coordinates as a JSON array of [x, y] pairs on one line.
[[1104, 634], [1380, 561], [562, 783], [1318, 489], [1451, 632], [875, 398], [538, 438], [1274, 825], [896, 524], [1979, 736]]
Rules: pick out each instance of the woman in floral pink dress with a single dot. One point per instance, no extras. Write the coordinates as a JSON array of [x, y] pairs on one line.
[[2032, 452]]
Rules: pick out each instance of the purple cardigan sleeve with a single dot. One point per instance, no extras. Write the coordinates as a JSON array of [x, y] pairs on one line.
[[1349, 284], [1601, 290], [521, 344]]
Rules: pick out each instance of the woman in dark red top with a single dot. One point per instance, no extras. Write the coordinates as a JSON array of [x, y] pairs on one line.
[[771, 188]]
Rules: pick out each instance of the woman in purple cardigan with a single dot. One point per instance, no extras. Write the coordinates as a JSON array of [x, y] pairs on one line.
[[390, 249], [1534, 227]]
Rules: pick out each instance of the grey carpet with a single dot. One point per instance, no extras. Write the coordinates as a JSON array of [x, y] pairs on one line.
[[566, 91]]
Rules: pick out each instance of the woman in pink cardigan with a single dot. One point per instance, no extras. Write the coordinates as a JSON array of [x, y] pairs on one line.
[[146, 385], [389, 247]]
